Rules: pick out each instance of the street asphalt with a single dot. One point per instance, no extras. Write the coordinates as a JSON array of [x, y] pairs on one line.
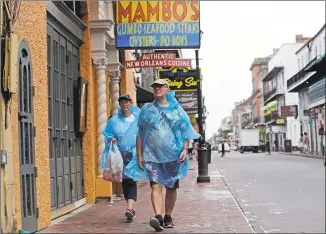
[[277, 193]]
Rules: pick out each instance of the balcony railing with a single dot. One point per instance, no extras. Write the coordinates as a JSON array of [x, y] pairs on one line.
[[299, 76], [273, 116], [246, 123], [269, 94], [255, 92]]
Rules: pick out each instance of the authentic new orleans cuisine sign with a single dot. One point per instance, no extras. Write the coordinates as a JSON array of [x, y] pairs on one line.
[[157, 24], [158, 60], [180, 79]]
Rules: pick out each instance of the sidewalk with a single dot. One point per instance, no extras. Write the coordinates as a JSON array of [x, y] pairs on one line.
[[200, 208]]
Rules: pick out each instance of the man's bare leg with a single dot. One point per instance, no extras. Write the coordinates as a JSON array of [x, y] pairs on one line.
[[157, 202], [170, 199], [157, 198]]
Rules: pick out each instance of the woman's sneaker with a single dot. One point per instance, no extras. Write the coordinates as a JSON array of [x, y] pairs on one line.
[[157, 223], [130, 214], [168, 221], [115, 198]]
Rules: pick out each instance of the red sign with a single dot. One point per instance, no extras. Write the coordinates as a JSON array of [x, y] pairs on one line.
[[158, 60], [289, 111]]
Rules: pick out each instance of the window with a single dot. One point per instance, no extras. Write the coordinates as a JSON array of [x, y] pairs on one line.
[[75, 7], [315, 51]]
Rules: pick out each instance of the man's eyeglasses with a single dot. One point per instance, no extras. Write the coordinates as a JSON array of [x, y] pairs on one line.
[[157, 86]]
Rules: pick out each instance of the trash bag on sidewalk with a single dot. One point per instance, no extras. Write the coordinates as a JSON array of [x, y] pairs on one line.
[[112, 164]]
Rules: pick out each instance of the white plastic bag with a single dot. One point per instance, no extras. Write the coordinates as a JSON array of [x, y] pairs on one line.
[[113, 169]]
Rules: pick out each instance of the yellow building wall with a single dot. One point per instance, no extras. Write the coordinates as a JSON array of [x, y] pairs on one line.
[[127, 79], [31, 26], [90, 139]]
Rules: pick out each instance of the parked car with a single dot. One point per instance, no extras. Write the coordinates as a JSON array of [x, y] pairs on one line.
[[215, 148], [226, 147], [234, 147]]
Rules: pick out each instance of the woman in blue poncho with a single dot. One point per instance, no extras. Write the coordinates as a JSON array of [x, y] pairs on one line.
[[122, 129], [164, 131]]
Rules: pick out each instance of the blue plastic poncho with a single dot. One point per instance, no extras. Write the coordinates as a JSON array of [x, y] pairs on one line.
[[125, 133], [162, 143]]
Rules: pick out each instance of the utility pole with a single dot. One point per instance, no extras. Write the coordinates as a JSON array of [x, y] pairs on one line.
[[202, 151]]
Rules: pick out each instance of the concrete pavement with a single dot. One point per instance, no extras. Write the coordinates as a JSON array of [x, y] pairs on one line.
[[278, 193], [200, 208]]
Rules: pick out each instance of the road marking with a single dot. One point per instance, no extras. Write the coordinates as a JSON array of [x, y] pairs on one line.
[[240, 190], [264, 204]]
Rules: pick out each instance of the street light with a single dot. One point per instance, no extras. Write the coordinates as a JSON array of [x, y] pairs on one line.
[[202, 150]]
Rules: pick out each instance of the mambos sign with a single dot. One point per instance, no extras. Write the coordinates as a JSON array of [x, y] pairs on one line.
[[157, 24]]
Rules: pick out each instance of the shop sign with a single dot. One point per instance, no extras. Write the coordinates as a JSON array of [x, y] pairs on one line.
[[179, 79], [289, 111], [306, 112], [188, 101], [280, 121], [158, 60], [314, 113], [157, 24]]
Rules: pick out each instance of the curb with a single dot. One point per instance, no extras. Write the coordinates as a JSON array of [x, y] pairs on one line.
[[306, 156], [236, 202], [239, 207]]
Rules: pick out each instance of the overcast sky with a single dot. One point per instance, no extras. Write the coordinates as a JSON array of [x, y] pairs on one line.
[[237, 32]]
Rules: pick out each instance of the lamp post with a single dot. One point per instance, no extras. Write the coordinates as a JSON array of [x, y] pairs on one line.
[[202, 151]]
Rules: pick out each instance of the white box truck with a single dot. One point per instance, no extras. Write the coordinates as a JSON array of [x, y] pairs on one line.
[[249, 140]]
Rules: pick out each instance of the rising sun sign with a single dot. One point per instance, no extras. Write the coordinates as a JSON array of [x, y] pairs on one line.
[[157, 24]]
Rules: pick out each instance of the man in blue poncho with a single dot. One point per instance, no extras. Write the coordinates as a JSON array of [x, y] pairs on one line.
[[164, 131], [122, 129]]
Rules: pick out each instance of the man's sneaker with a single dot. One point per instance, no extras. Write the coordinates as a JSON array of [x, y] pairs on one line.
[[130, 214], [115, 198], [157, 223], [168, 221]]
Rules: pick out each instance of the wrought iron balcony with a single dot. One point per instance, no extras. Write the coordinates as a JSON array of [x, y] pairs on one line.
[[269, 94], [299, 76], [255, 92], [273, 116]]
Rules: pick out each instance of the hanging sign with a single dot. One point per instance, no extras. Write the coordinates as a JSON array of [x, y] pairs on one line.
[[188, 101], [289, 111], [157, 24], [179, 79], [158, 60]]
